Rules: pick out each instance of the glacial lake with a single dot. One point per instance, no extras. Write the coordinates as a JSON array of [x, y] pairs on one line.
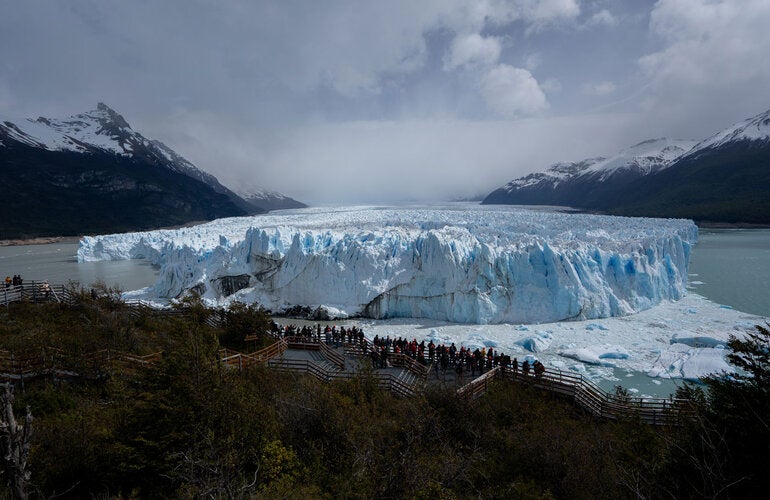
[[58, 263], [732, 267]]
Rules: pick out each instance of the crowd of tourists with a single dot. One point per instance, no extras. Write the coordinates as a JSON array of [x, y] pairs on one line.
[[329, 334], [442, 357]]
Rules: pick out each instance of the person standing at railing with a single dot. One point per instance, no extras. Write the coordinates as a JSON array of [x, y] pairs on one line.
[[515, 367], [8, 281], [525, 368], [46, 288]]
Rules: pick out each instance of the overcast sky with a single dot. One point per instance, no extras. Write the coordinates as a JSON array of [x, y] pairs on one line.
[[384, 100]]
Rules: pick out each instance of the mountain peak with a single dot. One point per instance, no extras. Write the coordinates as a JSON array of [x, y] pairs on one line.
[[112, 115]]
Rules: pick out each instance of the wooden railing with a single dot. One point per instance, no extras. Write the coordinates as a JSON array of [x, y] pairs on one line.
[[138, 309], [243, 361], [479, 385], [407, 362], [384, 380], [588, 395], [333, 356], [36, 291], [54, 361], [272, 356], [396, 359]]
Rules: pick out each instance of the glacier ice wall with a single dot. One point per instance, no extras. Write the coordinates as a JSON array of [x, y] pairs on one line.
[[466, 265]]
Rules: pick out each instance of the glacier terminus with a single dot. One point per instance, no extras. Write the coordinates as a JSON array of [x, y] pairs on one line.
[[462, 264]]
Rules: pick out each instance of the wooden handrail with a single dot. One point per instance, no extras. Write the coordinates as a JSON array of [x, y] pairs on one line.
[[53, 360], [479, 385], [333, 355], [402, 360], [586, 394]]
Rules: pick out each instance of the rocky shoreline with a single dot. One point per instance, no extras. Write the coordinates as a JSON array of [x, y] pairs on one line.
[[40, 241]]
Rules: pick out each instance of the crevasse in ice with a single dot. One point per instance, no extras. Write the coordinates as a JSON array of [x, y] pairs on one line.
[[466, 265]]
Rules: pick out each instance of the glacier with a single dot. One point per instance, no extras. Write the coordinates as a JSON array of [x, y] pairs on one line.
[[462, 264]]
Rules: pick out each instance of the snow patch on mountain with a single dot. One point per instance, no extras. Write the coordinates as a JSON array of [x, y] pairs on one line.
[[554, 175], [469, 265], [642, 159], [97, 128], [267, 199], [646, 157], [756, 128]]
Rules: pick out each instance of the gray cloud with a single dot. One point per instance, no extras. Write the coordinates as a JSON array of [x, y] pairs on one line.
[[356, 100]]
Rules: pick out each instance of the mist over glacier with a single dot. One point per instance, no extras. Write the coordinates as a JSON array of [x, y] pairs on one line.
[[463, 264]]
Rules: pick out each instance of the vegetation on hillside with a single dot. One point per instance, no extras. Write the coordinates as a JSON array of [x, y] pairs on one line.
[[189, 427]]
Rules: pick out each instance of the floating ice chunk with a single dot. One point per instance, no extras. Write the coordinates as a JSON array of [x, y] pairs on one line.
[[700, 339], [596, 326], [597, 354], [682, 361], [704, 362], [618, 353], [480, 340], [536, 343]]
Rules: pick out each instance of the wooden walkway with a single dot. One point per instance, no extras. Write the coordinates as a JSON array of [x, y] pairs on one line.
[[403, 375], [406, 377]]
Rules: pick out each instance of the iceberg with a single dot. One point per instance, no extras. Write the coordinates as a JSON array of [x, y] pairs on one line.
[[482, 265]]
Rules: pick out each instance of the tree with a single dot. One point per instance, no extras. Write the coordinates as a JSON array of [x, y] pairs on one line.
[[723, 452], [15, 439]]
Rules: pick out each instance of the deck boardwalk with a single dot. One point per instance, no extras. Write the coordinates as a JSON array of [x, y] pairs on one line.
[[406, 378]]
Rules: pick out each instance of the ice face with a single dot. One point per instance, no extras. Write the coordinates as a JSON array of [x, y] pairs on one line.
[[460, 264]]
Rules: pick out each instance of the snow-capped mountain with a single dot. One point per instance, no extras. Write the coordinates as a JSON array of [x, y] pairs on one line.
[[585, 183], [555, 175], [101, 130], [754, 131], [720, 179], [645, 158], [268, 200], [93, 173]]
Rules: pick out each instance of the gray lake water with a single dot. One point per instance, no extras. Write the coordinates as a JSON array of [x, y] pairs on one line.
[[732, 267], [57, 263]]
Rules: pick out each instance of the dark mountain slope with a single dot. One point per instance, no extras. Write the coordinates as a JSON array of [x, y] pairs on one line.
[[727, 184], [67, 193], [92, 173]]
